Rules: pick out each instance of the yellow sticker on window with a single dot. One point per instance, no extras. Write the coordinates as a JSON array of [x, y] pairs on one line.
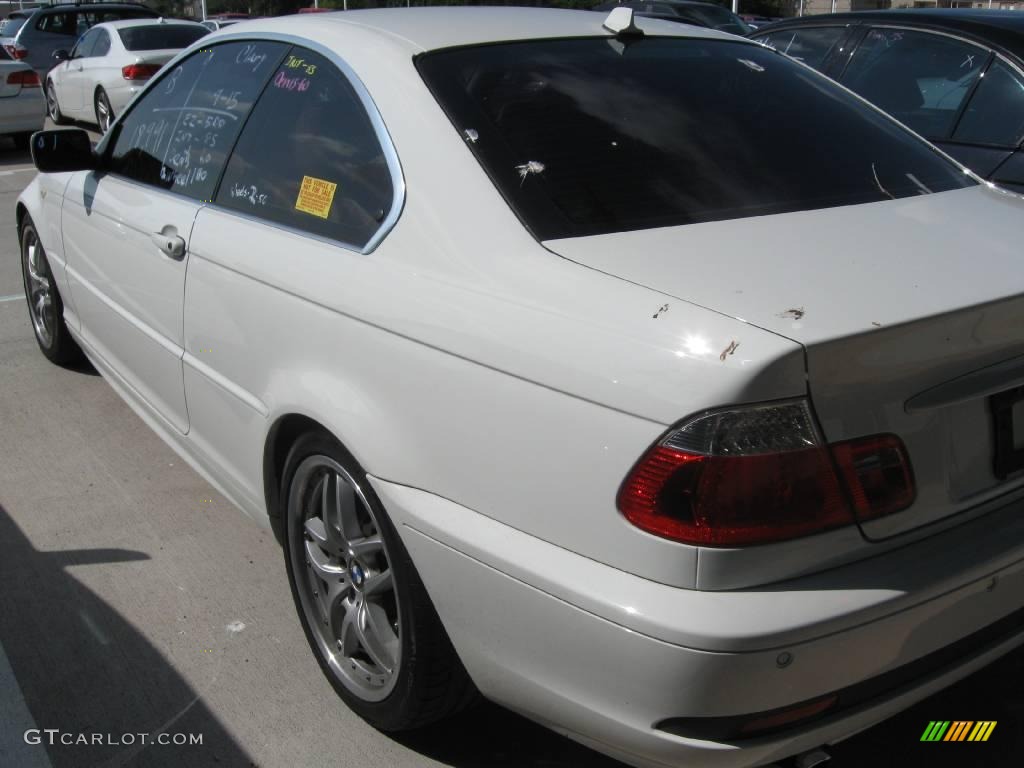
[[316, 196]]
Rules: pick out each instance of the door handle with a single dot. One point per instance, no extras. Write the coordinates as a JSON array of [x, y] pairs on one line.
[[169, 243]]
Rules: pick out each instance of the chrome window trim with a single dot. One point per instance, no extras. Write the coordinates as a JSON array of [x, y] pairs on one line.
[[379, 129]]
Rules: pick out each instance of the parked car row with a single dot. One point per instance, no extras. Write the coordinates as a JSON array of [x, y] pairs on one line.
[[88, 61], [633, 375]]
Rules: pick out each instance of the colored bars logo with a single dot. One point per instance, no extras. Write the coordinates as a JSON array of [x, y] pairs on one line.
[[958, 730]]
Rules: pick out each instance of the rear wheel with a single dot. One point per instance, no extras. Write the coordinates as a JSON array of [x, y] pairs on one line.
[[45, 307], [52, 108], [104, 113], [363, 607]]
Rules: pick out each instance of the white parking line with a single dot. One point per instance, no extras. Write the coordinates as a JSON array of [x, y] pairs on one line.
[[15, 297], [15, 719]]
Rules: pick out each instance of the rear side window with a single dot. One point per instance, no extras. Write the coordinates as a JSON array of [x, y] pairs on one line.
[[919, 78], [179, 132], [811, 46], [588, 136], [309, 157], [160, 36], [58, 23], [995, 113]]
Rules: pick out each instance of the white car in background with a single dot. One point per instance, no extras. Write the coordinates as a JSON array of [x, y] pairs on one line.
[[109, 64], [569, 364], [22, 110]]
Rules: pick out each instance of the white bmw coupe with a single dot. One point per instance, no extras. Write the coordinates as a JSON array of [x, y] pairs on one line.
[[633, 375]]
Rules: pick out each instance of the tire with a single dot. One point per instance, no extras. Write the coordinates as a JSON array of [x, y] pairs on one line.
[[52, 107], [21, 140], [45, 307], [357, 592], [104, 112]]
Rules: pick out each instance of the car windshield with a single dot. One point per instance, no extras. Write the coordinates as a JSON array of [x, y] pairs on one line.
[[713, 17], [9, 27], [160, 36], [594, 135]]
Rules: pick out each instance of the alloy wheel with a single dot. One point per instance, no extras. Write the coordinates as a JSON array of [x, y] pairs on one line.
[[343, 575], [40, 288], [51, 102], [103, 115]]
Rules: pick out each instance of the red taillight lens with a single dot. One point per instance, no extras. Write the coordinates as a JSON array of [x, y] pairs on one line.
[[26, 79], [16, 52], [877, 474], [759, 474], [139, 71]]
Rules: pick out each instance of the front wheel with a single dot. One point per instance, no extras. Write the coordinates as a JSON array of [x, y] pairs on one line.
[[52, 107], [45, 307], [104, 113], [362, 605]]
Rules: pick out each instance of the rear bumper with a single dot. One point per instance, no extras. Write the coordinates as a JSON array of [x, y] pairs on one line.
[[23, 113], [606, 656]]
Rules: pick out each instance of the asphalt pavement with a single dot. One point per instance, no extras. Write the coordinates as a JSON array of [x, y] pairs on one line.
[[136, 600]]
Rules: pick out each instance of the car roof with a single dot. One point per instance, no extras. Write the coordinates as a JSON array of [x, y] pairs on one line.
[[430, 28], [65, 7], [1001, 29]]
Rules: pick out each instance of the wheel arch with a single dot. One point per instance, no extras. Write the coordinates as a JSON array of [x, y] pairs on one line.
[[283, 432]]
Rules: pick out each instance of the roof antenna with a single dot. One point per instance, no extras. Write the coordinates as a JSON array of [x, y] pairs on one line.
[[620, 21]]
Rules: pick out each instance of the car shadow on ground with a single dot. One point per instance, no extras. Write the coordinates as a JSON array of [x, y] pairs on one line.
[[10, 155], [84, 669]]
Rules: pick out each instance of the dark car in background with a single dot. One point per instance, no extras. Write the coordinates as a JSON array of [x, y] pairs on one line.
[[955, 76], [700, 14], [56, 27]]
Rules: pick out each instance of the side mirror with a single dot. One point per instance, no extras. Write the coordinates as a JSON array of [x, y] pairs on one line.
[[63, 150], [60, 55]]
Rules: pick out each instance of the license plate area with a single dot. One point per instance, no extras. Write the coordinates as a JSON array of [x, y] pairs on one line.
[[1009, 432]]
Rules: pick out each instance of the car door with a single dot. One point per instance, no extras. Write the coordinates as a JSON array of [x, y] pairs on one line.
[[311, 186], [127, 225], [93, 65], [70, 75]]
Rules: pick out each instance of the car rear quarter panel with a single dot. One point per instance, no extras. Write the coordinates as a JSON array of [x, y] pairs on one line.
[[460, 357]]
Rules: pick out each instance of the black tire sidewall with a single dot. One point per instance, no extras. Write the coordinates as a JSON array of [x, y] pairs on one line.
[[394, 711], [62, 348]]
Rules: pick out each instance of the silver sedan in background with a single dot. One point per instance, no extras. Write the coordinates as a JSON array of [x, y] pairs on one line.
[[109, 64], [21, 100]]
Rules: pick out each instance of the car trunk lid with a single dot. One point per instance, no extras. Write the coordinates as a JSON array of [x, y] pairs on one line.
[[910, 312]]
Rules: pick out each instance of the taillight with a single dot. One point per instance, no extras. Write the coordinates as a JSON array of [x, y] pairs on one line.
[[756, 474], [26, 79], [139, 71], [16, 52]]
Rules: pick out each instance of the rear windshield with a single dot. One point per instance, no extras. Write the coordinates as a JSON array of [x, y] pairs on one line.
[[595, 135], [160, 36], [9, 27]]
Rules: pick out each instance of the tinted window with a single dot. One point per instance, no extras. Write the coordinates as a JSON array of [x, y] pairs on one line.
[[585, 137], [178, 134], [102, 47], [919, 78], [811, 46], [84, 46], [58, 23], [309, 157], [995, 114], [160, 36]]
